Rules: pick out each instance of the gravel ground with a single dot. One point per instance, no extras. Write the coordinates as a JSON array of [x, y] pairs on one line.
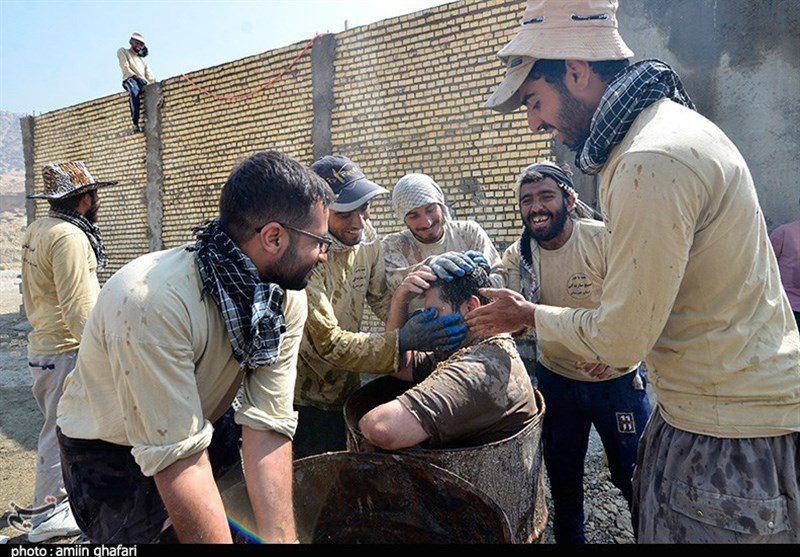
[[607, 516]]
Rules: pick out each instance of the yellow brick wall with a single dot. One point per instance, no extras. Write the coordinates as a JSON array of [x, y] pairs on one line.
[[409, 94], [203, 138], [98, 133]]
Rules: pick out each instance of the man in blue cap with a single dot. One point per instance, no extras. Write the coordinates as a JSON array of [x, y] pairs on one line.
[[333, 351]]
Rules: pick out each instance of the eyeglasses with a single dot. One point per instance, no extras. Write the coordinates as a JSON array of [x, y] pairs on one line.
[[323, 242]]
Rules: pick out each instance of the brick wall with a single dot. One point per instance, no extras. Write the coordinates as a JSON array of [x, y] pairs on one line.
[[408, 93], [98, 133], [203, 138]]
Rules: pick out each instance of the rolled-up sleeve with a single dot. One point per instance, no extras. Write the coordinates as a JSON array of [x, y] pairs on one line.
[[154, 376], [651, 219], [269, 390]]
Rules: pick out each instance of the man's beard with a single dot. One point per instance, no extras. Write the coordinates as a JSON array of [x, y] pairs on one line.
[[575, 119], [91, 213], [557, 222], [291, 275]]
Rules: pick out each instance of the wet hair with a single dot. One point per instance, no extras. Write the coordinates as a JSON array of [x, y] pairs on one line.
[[461, 289], [553, 71], [67, 203], [532, 176], [269, 187]]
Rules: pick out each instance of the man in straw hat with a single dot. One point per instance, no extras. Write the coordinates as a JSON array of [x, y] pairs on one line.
[[559, 260], [61, 254], [173, 336], [432, 237], [135, 74], [692, 284], [334, 351]]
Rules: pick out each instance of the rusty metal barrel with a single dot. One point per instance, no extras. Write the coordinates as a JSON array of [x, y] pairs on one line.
[[348, 497], [510, 471]]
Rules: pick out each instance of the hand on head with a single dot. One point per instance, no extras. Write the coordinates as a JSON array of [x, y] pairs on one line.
[[505, 313], [457, 264], [424, 331]]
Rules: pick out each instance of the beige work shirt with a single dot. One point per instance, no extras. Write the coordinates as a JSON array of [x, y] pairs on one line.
[[59, 284], [404, 253], [334, 351], [133, 65], [692, 283], [156, 367], [572, 276]]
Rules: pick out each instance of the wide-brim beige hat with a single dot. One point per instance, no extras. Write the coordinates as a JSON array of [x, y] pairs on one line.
[[558, 30]]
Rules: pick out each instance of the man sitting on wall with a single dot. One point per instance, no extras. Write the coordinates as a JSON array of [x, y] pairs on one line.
[[476, 395]]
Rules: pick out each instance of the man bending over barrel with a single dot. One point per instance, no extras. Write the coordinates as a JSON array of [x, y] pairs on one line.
[[476, 395]]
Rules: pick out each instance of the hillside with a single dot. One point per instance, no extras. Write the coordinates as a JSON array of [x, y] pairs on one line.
[[12, 190]]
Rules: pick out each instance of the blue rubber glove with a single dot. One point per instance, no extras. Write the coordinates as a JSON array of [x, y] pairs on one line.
[[426, 332], [480, 260], [457, 264]]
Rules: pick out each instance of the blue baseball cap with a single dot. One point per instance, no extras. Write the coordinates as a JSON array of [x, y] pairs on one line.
[[351, 187]]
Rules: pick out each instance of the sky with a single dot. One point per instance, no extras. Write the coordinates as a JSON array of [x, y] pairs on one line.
[[55, 54]]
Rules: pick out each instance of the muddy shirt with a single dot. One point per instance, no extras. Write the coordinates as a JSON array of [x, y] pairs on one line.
[[478, 395], [59, 284], [155, 366], [572, 276], [333, 351], [692, 283], [404, 253]]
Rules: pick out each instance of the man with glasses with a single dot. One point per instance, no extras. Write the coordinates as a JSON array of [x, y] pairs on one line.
[[333, 351], [173, 336]]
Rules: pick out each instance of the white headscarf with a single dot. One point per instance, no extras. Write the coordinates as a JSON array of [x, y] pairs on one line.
[[416, 190]]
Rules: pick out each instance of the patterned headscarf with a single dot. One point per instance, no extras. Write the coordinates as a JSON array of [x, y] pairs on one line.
[[633, 90], [416, 190], [252, 309], [91, 230]]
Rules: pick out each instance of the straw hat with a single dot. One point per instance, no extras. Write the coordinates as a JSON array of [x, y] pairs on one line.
[[66, 179], [558, 30]]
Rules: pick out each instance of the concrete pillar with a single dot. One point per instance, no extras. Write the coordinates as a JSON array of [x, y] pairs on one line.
[[26, 125], [322, 78], [153, 101]]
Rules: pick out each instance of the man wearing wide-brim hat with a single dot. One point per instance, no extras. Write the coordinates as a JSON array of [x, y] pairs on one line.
[[61, 254], [692, 285]]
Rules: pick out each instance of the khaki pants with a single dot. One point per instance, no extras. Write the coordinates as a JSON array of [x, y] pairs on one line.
[[49, 372], [691, 488]]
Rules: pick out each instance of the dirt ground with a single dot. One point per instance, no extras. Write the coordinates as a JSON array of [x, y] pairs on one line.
[[20, 419], [607, 516]]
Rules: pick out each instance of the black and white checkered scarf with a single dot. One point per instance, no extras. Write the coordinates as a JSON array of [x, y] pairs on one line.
[[633, 90], [92, 232], [252, 310]]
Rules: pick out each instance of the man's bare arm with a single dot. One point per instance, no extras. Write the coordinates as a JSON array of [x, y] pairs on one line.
[[193, 501], [391, 426], [267, 457]]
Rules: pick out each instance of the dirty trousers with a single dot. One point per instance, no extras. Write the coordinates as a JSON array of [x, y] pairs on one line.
[[618, 408], [112, 501], [692, 488], [48, 373]]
